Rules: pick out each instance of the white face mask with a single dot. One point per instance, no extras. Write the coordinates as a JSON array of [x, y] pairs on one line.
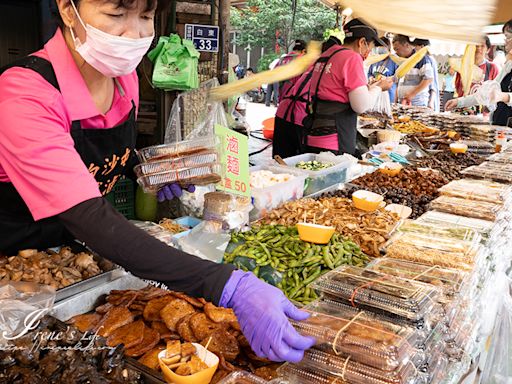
[[111, 55]]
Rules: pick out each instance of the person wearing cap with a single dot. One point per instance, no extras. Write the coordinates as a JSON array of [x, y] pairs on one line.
[[433, 89], [386, 67], [413, 89], [339, 91], [490, 70], [298, 49]]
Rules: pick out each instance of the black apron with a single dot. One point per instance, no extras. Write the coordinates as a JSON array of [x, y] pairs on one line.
[[331, 117], [503, 113], [107, 153]]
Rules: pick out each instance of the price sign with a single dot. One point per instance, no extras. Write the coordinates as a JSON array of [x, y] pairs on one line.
[[204, 37], [234, 158]]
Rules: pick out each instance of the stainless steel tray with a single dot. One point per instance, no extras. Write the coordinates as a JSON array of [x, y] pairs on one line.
[[88, 300], [110, 272]]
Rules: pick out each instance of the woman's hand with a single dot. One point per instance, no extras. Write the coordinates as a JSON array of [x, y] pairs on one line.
[[451, 105], [385, 83], [263, 313], [171, 191]]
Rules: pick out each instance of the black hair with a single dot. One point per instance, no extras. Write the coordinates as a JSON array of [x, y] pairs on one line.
[[330, 42], [402, 39], [421, 42], [507, 26], [299, 45], [353, 39], [159, 5], [487, 42]]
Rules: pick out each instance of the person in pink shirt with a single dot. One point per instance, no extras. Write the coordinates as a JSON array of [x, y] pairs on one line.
[[339, 91], [67, 135]]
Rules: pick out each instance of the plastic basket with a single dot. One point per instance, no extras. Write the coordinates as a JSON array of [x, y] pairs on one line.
[[122, 198]]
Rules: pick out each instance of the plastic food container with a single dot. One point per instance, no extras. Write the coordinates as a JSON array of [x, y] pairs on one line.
[[480, 190], [376, 291], [242, 377], [437, 229], [390, 168], [433, 251], [314, 233], [186, 221], [357, 373], [156, 231], [367, 201], [490, 171], [450, 281], [304, 375], [266, 199], [203, 377], [465, 207], [177, 150], [322, 179], [169, 165], [403, 211], [200, 175], [458, 148], [502, 157]]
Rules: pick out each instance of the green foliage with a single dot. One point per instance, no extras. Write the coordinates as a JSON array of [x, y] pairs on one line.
[[265, 61], [257, 24]]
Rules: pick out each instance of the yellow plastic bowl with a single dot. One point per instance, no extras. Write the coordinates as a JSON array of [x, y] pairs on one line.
[[367, 201], [458, 148], [314, 233], [203, 377], [390, 169]]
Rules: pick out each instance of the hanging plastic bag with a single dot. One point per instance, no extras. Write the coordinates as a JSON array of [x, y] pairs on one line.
[[498, 367], [382, 106], [486, 94], [176, 64], [23, 305]]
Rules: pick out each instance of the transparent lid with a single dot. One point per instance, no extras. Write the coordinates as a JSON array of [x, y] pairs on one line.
[[150, 168], [438, 229], [304, 375], [178, 149], [481, 190], [373, 290], [502, 157], [357, 373], [491, 171], [431, 250], [450, 281], [465, 207], [483, 227], [242, 377]]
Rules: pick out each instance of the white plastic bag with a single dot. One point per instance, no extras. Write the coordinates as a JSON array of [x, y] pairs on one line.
[[486, 94], [498, 367], [382, 106]]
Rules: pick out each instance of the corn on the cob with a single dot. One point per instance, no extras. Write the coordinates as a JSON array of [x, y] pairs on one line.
[[375, 59], [466, 70], [409, 64]]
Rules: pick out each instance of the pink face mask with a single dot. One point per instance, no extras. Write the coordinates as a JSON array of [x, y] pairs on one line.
[[111, 55]]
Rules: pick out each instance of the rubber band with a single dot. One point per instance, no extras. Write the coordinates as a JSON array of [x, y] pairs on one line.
[[345, 368], [335, 341]]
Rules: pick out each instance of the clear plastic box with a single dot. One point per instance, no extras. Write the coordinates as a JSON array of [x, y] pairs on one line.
[[433, 251], [437, 229], [153, 167], [266, 199], [242, 377], [322, 179], [490, 171], [177, 150], [357, 373], [480, 190], [200, 175], [502, 157], [376, 291], [465, 207]]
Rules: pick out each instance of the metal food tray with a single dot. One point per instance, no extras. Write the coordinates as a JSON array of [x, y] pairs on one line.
[[177, 149], [150, 168]]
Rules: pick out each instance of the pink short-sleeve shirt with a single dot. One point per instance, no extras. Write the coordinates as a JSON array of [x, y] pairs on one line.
[[37, 151]]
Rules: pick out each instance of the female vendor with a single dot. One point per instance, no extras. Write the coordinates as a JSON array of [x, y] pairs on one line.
[[67, 133], [503, 114]]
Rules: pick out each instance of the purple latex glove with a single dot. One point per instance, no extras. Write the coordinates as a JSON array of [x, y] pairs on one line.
[[263, 312], [171, 191]]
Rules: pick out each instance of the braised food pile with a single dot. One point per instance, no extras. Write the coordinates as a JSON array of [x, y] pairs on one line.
[[145, 320], [49, 268], [37, 359]]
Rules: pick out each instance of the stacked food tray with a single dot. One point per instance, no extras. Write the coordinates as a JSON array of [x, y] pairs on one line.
[[500, 172], [187, 162], [482, 148]]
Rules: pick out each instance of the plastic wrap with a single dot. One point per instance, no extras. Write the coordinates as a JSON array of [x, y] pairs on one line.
[[377, 291], [380, 345], [357, 373], [465, 207], [437, 229], [178, 150], [449, 281], [480, 190], [22, 304], [382, 106], [433, 251], [490, 171]]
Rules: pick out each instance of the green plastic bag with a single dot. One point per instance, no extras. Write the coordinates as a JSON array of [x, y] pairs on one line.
[[176, 64]]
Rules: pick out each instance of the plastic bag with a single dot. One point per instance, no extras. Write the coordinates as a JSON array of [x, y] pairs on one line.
[[486, 94], [23, 305], [192, 203], [498, 367], [207, 240], [176, 64], [382, 106], [193, 115]]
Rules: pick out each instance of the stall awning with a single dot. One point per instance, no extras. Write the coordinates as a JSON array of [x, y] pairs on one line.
[[503, 12], [458, 20]]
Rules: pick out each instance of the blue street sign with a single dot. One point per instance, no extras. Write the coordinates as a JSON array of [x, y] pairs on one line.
[[204, 37]]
